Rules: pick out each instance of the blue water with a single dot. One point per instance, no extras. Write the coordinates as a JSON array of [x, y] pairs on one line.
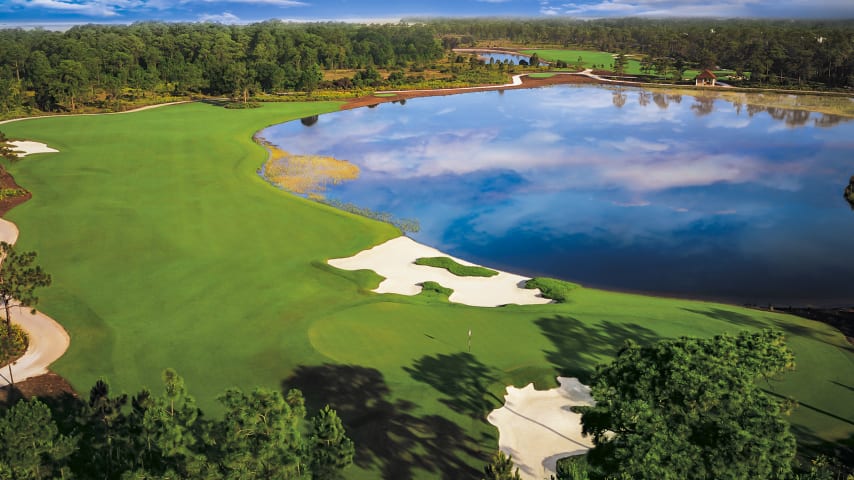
[[622, 189]]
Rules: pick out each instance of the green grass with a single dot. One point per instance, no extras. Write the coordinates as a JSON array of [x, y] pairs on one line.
[[541, 75], [168, 250], [385, 94], [589, 58], [557, 290], [459, 270], [434, 288]]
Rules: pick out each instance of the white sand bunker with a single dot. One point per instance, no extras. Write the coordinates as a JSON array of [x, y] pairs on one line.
[[395, 260], [536, 428], [25, 148]]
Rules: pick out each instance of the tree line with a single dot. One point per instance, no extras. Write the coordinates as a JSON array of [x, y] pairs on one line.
[[262, 435], [48, 70], [776, 52], [63, 68]]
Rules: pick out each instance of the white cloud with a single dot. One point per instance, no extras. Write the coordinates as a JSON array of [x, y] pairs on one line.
[[225, 17], [115, 8], [694, 8], [97, 8], [277, 3]]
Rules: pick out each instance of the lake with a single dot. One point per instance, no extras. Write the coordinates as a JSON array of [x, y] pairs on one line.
[[617, 188]]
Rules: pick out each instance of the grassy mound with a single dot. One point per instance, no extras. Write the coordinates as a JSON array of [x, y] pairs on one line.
[[168, 250], [431, 287], [459, 270], [557, 290]]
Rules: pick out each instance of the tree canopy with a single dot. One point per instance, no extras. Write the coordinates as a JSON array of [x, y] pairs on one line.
[[167, 436], [691, 409]]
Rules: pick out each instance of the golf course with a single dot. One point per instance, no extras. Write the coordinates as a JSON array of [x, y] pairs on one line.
[[168, 249]]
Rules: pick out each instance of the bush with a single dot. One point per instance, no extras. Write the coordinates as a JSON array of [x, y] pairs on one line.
[[12, 346], [241, 105], [557, 290], [459, 270]]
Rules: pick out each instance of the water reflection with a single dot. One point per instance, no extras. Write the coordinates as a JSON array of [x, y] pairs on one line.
[[705, 198]]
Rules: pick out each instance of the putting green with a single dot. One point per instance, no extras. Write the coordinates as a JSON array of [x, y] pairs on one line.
[[168, 250]]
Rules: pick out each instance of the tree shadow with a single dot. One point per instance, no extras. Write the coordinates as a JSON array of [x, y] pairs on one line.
[[742, 320], [460, 376], [579, 346], [811, 446], [386, 431], [735, 318]]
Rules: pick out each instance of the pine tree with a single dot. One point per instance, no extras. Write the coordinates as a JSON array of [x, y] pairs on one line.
[[30, 444], [501, 468], [330, 450]]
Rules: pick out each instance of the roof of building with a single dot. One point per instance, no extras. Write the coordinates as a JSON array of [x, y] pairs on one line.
[[706, 74]]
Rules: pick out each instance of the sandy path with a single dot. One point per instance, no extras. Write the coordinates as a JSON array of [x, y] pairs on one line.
[[395, 259], [536, 428], [48, 340]]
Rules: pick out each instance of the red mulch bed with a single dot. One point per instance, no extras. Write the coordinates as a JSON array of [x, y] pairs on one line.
[[46, 387], [6, 204]]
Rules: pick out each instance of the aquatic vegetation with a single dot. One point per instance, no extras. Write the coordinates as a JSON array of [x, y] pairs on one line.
[[307, 174]]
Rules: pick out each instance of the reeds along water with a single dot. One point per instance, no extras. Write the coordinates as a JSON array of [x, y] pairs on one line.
[[307, 174]]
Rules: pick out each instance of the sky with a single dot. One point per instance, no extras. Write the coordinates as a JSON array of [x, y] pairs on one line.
[[69, 12]]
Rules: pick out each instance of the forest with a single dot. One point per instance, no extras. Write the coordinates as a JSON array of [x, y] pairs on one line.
[[101, 65]]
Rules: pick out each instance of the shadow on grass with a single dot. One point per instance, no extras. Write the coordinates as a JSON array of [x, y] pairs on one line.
[[579, 346], [461, 377], [742, 320], [735, 318], [811, 446], [386, 431]]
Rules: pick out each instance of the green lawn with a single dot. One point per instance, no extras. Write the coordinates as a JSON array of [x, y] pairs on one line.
[[168, 250], [589, 58]]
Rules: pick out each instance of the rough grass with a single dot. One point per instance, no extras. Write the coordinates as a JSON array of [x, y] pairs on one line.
[[168, 250], [459, 270]]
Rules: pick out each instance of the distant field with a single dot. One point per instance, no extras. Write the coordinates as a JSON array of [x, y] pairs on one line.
[[168, 250], [589, 59]]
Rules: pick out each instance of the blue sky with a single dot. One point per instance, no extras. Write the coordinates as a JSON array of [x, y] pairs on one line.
[[59, 12]]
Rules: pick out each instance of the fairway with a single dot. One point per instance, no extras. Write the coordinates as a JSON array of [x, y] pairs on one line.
[[167, 249], [589, 58]]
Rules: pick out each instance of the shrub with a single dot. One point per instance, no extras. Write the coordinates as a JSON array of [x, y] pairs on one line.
[[12, 346]]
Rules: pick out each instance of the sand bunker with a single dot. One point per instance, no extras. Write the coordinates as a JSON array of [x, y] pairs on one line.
[[48, 340], [25, 148], [536, 428], [395, 260]]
